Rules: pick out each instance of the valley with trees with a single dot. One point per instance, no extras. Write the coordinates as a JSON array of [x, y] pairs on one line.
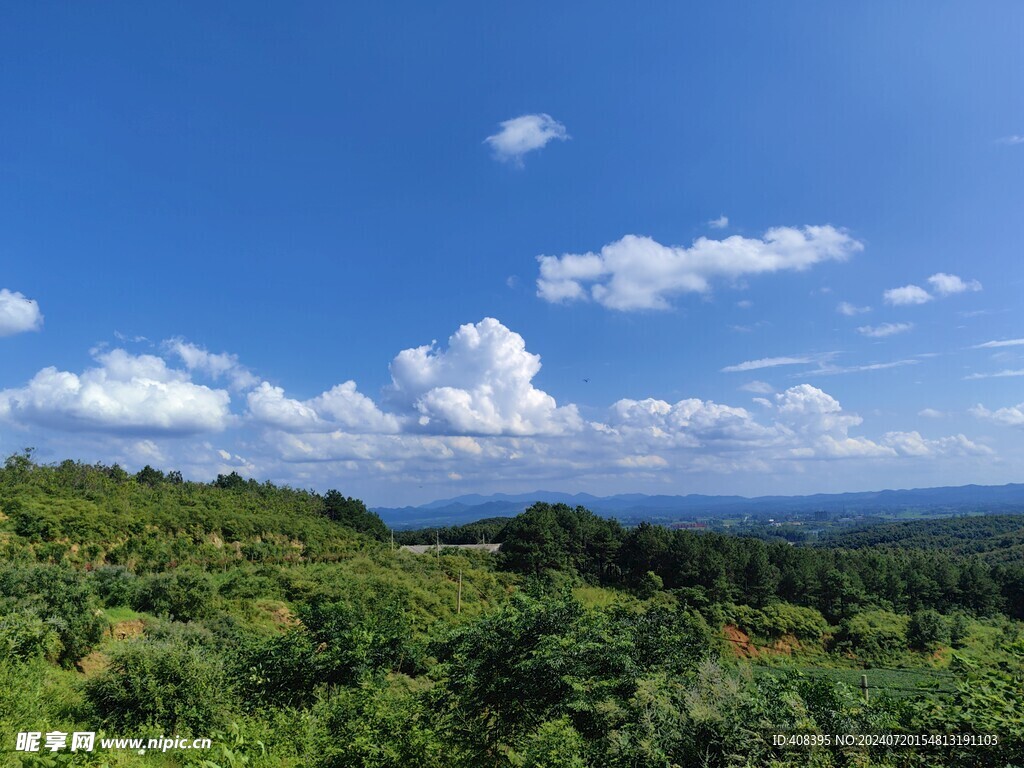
[[289, 627]]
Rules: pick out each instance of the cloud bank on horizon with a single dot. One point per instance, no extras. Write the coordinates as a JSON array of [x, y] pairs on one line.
[[469, 409]]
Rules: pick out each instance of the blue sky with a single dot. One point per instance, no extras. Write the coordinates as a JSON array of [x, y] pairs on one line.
[[731, 249]]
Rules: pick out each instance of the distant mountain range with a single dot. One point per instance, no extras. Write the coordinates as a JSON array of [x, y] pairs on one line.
[[634, 507]]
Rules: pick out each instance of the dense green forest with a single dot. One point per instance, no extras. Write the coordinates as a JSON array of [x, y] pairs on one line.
[[995, 538], [285, 626]]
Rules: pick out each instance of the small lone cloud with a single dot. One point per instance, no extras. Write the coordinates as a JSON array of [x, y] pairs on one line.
[[947, 285], [1015, 138], [907, 294], [848, 309], [885, 329], [720, 223], [524, 134]]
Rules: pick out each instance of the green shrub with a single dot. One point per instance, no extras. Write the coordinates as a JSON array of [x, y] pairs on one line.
[[278, 671], [875, 636], [927, 630], [361, 635], [806, 624], [555, 744], [31, 524], [650, 584], [245, 585], [155, 683], [183, 595], [959, 629], [191, 633], [115, 585], [379, 725], [23, 636], [59, 596]]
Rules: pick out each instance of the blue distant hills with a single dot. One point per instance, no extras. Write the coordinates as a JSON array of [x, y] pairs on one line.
[[635, 507]]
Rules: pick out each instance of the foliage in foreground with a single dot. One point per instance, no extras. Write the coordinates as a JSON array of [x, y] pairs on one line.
[[276, 622]]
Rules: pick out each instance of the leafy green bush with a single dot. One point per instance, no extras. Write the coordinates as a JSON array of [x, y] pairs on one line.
[[381, 724], [115, 585], [508, 672], [555, 744], [959, 629], [875, 636], [366, 633], [778, 619], [23, 636], [184, 595], [987, 701], [927, 630], [34, 525], [59, 596], [281, 671], [191, 633], [649, 585], [151, 683], [243, 584], [31, 692]]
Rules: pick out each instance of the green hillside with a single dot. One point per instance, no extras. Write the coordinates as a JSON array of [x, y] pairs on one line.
[[995, 538], [283, 626]]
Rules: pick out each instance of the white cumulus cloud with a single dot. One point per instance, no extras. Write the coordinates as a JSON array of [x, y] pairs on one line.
[[217, 366], [524, 134], [481, 384], [128, 394], [913, 444], [467, 408], [687, 423], [808, 409], [18, 313], [906, 295], [1012, 416], [942, 284], [946, 285], [342, 407], [637, 273]]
